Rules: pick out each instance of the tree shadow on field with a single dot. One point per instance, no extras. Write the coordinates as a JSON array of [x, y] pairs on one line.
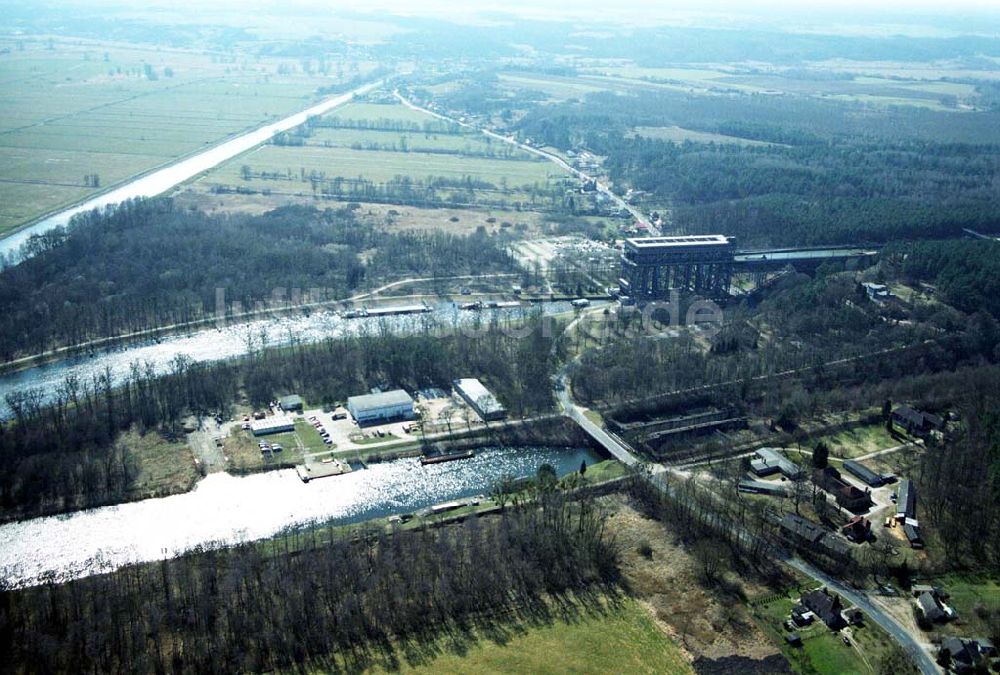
[[497, 626]]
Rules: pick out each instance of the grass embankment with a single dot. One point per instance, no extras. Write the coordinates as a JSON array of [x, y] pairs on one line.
[[621, 639], [165, 467]]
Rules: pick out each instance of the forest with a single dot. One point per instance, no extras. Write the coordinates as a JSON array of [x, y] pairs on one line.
[[823, 172], [146, 264], [960, 479], [965, 273], [337, 602], [809, 321], [67, 454]]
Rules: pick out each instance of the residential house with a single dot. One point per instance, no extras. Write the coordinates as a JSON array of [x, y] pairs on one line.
[[964, 655], [858, 529], [826, 606], [916, 422], [930, 608], [847, 495]]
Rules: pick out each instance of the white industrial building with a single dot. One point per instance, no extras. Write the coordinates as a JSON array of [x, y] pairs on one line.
[[480, 398], [382, 407], [767, 461], [272, 425]]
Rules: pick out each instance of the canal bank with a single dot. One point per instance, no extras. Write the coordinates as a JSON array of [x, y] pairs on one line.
[[160, 180], [230, 341], [226, 510]]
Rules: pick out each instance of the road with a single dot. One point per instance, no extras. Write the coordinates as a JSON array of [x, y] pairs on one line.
[[602, 187], [910, 645], [620, 450]]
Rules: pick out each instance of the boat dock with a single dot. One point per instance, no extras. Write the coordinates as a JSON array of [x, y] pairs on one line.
[[447, 457], [321, 469], [392, 310]]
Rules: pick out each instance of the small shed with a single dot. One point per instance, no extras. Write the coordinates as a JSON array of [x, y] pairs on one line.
[[291, 403]]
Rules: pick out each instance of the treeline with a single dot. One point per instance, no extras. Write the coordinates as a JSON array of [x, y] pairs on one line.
[[603, 117], [434, 126], [959, 480], [830, 172], [817, 193], [966, 273], [64, 454], [146, 264], [338, 604], [809, 321], [430, 192]]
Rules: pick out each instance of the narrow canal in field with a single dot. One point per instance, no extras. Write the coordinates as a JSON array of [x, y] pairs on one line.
[[160, 180]]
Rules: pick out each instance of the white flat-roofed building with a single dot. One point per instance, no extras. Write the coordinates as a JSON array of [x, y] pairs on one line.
[[272, 425], [767, 461], [480, 398], [382, 407]]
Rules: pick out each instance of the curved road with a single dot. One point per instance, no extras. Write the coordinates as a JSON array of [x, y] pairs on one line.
[[910, 645], [621, 451]]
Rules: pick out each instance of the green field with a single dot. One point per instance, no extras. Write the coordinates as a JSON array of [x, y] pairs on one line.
[[621, 639], [859, 441], [926, 89], [679, 135], [165, 467], [379, 156], [80, 109], [823, 651], [974, 597]]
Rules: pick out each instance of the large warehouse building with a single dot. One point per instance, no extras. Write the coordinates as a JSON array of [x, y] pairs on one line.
[[272, 425], [382, 407], [480, 398]]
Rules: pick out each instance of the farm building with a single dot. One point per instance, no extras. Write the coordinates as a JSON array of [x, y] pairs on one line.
[[858, 529], [382, 407], [864, 473], [291, 403], [848, 496], [762, 487], [906, 501], [480, 398], [272, 425], [768, 461], [912, 532], [915, 421], [809, 535]]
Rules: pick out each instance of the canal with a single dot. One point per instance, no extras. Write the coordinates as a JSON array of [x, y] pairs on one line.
[[223, 510]]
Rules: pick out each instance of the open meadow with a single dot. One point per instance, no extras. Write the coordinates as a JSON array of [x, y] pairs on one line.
[[380, 152], [78, 117]]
